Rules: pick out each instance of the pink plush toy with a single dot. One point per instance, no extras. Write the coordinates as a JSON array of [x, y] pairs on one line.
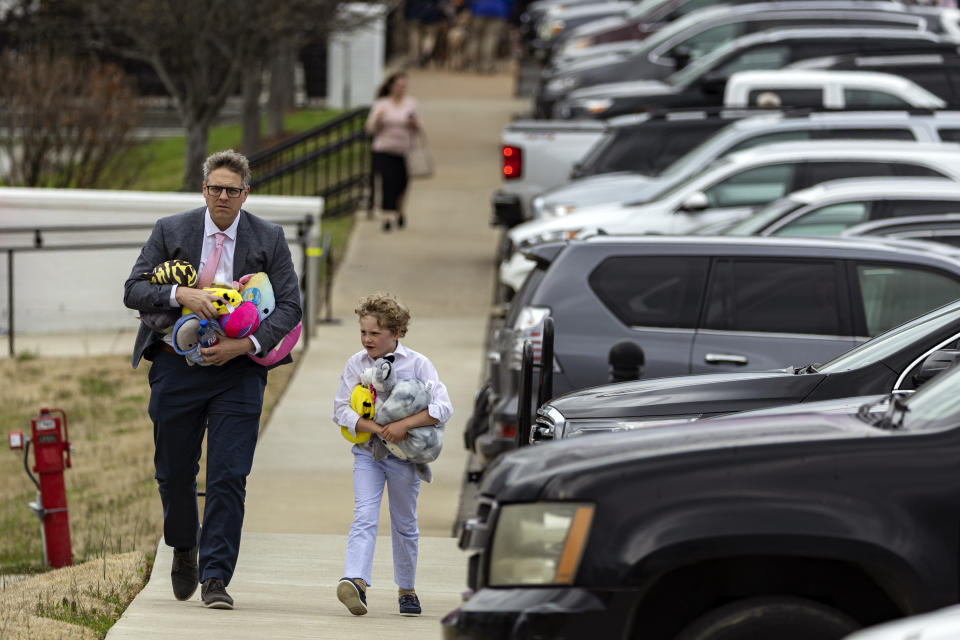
[[255, 288], [242, 321]]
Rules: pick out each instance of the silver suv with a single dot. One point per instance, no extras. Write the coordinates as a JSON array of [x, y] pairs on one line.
[[709, 304]]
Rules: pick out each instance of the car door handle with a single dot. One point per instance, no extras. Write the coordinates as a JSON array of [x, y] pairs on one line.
[[725, 358]]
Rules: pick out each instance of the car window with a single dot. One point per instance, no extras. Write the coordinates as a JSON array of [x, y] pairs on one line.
[[897, 208], [786, 97], [818, 172], [651, 291], [759, 185], [883, 133], [950, 135], [765, 57], [827, 221], [892, 294], [709, 39], [902, 169], [869, 98], [911, 332], [769, 138], [779, 296], [647, 149]]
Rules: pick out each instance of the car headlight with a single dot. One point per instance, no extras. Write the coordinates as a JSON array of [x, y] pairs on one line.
[[551, 236], [594, 105], [539, 543], [576, 428], [581, 43], [557, 210], [561, 85]]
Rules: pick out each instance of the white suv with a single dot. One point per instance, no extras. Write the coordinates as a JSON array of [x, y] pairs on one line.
[[733, 187]]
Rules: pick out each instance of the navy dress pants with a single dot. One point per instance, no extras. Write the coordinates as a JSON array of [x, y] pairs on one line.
[[225, 402]]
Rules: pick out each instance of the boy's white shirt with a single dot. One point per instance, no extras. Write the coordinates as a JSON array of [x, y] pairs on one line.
[[407, 365]]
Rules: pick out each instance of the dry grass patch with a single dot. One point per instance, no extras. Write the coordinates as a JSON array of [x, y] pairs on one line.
[[82, 601], [111, 493]]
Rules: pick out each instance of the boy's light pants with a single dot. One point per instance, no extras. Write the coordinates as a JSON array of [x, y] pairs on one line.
[[403, 487]]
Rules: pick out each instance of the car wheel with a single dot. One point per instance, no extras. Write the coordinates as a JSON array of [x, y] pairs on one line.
[[783, 618]]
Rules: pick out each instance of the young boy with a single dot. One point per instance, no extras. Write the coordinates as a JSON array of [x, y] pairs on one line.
[[383, 321]]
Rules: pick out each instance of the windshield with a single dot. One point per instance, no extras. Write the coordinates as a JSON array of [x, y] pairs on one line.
[[755, 223], [641, 9], [893, 340], [936, 405], [670, 191], [680, 165], [701, 65]]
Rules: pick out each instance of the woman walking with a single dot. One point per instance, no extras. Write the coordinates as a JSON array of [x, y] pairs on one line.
[[393, 122]]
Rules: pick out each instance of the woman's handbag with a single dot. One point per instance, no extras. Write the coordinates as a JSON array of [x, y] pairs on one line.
[[419, 160]]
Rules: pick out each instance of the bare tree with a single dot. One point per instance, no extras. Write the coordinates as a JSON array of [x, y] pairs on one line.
[[66, 120]]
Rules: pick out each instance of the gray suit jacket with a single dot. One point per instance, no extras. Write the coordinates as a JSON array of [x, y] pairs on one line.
[[261, 246]]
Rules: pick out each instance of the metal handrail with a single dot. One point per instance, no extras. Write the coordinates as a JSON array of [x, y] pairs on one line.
[[331, 161]]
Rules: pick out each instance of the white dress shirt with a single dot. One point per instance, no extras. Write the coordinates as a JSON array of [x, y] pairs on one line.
[[407, 365]]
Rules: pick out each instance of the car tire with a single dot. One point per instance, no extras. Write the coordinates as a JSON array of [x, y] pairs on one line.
[[781, 617]]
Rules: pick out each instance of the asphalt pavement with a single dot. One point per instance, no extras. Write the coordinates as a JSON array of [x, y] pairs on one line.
[[299, 495]]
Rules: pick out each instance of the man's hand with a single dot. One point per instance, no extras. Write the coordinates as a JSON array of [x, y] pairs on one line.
[[198, 301], [226, 350]]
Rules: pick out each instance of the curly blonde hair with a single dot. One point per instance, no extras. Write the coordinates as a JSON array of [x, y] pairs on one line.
[[391, 314]]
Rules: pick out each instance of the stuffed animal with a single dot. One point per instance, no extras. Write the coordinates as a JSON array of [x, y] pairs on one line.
[[397, 399], [178, 272], [255, 289], [361, 401]]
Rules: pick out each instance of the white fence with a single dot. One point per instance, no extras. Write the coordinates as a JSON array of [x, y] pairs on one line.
[[81, 289]]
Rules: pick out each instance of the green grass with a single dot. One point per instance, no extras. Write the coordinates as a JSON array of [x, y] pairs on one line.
[[162, 159]]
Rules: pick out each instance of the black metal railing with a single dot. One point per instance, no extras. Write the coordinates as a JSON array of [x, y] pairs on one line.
[[331, 161]]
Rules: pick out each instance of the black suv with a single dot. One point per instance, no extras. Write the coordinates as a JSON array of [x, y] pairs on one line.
[[792, 527], [891, 362]]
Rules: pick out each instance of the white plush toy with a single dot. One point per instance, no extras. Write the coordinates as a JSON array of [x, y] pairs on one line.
[[397, 399]]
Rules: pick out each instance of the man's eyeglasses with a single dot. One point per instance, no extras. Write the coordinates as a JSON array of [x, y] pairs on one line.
[[216, 190]]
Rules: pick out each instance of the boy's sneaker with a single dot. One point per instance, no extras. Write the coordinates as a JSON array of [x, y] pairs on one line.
[[409, 605], [352, 593], [215, 595]]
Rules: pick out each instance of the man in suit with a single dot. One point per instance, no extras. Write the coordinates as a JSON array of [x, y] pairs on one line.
[[223, 242]]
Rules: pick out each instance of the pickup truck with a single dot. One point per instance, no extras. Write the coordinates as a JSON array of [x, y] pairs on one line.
[[828, 89], [796, 526], [538, 155]]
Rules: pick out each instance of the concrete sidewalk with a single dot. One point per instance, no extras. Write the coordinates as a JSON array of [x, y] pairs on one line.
[[300, 496]]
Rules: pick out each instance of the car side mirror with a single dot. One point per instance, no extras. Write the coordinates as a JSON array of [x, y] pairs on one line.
[[937, 362], [696, 201], [681, 57], [575, 170]]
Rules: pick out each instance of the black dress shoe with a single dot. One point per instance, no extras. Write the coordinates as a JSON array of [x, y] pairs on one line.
[[184, 575], [401, 223], [215, 595]]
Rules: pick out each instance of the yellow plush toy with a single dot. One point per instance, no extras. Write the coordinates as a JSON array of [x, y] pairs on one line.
[[227, 300], [361, 401]]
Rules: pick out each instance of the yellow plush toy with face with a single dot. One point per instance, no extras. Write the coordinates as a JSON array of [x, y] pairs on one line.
[[361, 401], [227, 300]]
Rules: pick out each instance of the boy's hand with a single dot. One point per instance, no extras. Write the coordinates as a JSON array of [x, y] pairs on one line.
[[394, 432]]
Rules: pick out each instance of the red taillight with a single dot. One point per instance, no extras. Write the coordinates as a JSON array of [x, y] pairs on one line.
[[512, 162], [506, 430]]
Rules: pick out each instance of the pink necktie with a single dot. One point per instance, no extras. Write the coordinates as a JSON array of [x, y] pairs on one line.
[[213, 261]]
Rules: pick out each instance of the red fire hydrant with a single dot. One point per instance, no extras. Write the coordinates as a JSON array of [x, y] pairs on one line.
[[51, 505]]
